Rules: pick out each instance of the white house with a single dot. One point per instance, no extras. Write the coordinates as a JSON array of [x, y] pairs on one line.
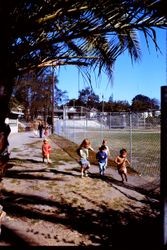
[[12, 120]]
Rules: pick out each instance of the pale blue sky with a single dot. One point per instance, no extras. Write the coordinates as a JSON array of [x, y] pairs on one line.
[[145, 77]]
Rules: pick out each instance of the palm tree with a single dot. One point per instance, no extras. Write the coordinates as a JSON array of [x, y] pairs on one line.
[[79, 32]]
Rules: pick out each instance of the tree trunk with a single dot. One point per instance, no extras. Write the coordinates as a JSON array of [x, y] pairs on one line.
[[4, 155], [7, 77], [6, 85]]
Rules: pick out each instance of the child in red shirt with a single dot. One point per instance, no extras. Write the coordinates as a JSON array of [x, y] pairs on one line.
[[46, 149]]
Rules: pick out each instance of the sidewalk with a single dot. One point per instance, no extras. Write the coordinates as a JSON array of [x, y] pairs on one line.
[[18, 140]]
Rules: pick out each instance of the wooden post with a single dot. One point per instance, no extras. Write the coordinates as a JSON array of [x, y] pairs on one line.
[[163, 163]]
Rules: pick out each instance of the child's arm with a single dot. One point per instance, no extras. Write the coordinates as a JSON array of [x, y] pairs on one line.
[[49, 148], [108, 151], [128, 161], [116, 160], [91, 148]]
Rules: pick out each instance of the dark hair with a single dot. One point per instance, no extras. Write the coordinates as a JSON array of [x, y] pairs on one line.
[[104, 141], [123, 150], [103, 147]]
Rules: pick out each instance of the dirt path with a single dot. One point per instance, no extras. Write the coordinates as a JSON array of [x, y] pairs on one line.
[[50, 205]]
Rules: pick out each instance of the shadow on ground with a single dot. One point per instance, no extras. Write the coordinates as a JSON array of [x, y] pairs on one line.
[[104, 227]]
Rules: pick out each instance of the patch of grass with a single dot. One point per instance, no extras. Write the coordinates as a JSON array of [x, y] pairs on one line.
[[16, 149], [34, 144], [59, 155], [35, 188], [15, 181], [75, 202], [17, 162], [51, 185], [117, 204], [33, 221]]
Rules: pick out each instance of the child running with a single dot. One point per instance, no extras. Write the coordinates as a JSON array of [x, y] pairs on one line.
[[104, 143], [84, 155], [46, 149], [102, 157], [122, 163]]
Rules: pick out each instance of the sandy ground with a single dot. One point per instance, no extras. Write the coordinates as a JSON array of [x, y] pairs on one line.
[[51, 205]]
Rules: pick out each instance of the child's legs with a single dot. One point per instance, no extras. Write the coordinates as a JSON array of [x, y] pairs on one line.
[[101, 166], [47, 157], [120, 171], [104, 167], [82, 170], [86, 167], [43, 157], [85, 164], [125, 175], [122, 177]]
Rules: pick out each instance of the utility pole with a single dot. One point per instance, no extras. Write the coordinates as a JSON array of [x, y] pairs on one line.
[[102, 103], [52, 98]]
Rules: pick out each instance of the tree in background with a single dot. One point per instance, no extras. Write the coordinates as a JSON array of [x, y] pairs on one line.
[[144, 103], [74, 103], [88, 97], [61, 97], [74, 32], [34, 94], [63, 32]]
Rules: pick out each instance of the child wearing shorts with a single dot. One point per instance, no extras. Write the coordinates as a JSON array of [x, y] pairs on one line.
[[84, 155]]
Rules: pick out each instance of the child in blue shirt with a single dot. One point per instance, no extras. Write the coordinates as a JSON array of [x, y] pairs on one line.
[[101, 156]]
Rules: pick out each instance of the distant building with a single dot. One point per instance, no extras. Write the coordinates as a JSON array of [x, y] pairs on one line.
[[70, 112], [12, 120]]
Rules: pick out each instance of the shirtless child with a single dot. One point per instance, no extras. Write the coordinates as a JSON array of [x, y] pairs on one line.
[[122, 162]]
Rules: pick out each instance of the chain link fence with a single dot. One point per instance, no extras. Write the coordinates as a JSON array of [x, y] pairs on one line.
[[139, 133]]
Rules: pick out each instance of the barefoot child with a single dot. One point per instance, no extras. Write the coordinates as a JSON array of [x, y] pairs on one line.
[[46, 149], [83, 151], [122, 163]]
